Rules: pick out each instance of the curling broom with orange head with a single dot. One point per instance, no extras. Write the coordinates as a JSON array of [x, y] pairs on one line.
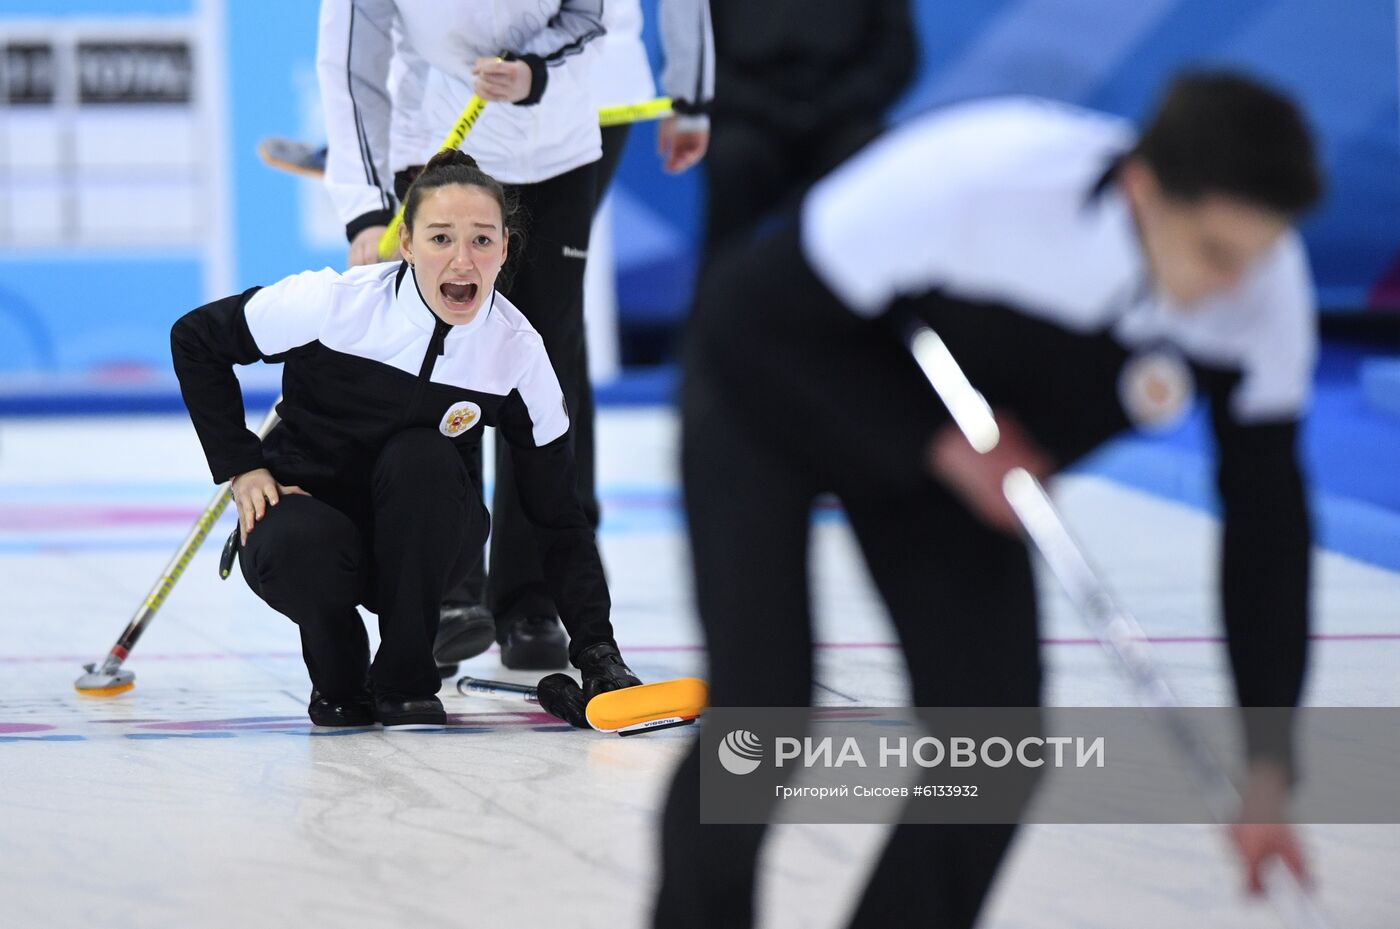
[[629, 711]]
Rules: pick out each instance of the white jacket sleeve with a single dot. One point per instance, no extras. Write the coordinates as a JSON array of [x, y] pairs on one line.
[[410, 136], [688, 44], [354, 46]]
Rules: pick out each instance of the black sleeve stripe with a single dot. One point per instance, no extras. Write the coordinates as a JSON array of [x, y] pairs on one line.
[[576, 46], [698, 99], [350, 90], [573, 48]]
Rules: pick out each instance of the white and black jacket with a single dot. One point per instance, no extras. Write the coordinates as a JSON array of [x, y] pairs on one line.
[[365, 358], [436, 42], [1002, 219]]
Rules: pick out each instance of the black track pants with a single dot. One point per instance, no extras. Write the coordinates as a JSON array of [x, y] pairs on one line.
[[548, 289], [614, 144], [312, 563], [767, 408]]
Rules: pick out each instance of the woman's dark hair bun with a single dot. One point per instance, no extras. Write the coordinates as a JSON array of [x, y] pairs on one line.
[[450, 157], [455, 166]]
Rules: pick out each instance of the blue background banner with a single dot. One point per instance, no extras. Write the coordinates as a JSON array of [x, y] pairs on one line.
[[76, 311]]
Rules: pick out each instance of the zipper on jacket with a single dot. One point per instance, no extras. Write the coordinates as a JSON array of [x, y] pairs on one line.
[[437, 346]]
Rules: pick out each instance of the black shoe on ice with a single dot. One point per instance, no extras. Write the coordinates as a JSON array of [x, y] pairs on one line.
[[419, 713], [357, 711], [464, 631], [535, 643]]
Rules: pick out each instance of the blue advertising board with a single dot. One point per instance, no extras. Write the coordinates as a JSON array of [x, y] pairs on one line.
[[130, 190]]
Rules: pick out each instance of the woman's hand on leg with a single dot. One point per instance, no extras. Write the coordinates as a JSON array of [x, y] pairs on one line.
[[253, 492]]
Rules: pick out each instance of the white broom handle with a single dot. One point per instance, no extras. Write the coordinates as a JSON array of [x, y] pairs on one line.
[[1114, 627]]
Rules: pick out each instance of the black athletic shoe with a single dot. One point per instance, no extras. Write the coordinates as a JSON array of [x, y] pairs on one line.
[[447, 671], [419, 713], [604, 670], [464, 631], [535, 643], [357, 711]]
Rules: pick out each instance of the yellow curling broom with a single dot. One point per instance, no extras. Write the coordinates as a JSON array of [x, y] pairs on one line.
[[656, 108], [629, 711], [389, 241], [110, 678], [297, 157], [300, 158]]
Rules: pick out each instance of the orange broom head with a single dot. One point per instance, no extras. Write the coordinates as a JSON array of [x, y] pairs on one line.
[[665, 702], [111, 691]]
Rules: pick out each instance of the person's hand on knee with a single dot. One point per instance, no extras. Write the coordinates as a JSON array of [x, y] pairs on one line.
[[253, 492]]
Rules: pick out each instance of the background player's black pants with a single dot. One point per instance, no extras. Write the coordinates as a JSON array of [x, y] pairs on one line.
[[786, 396], [614, 144], [312, 562], [473, 586], [548, 288]]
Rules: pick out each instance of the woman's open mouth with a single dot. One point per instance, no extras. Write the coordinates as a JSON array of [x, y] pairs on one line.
[[458, 296]]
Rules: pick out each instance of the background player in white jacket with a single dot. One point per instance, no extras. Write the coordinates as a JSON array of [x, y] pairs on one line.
[[622, 77]]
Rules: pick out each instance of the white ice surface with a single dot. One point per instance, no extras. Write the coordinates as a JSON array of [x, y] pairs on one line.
[[202, 798]]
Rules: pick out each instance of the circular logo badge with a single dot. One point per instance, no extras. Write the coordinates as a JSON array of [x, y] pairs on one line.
[[741, 752], [1156, 388], [459, 418]]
